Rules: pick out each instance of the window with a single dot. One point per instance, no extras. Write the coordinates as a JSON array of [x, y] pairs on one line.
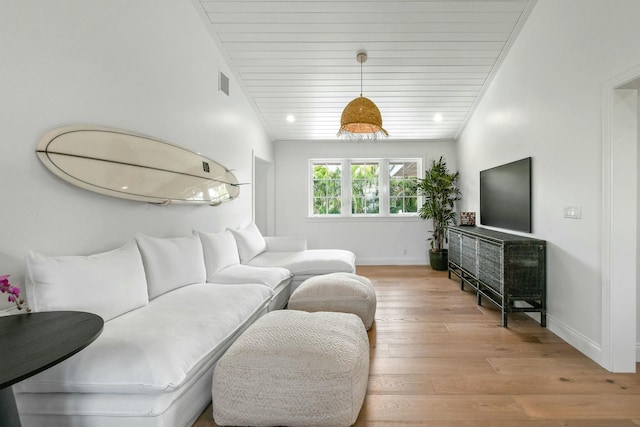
[[368, 187], [326, 188], [365, 188], [403, 196]]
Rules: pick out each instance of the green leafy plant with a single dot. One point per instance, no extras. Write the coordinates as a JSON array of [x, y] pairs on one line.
[[439, 187]]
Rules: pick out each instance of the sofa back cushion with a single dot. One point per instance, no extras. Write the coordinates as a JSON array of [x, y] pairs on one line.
[[108, 284], [220, 251], [171, 263], [250, 242]]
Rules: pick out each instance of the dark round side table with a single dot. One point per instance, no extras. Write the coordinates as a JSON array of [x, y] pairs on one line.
[[33, 342]]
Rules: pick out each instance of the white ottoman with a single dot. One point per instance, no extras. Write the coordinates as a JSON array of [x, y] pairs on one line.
[[342, 292], [292, 368]]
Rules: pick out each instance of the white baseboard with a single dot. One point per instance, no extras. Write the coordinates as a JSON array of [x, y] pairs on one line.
[[583, 344], [391, 261]]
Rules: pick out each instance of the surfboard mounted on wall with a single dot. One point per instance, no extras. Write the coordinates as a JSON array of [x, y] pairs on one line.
[[135, 167]]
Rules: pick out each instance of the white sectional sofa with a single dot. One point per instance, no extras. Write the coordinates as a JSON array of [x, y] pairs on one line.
[[171, 306], [291, 253]]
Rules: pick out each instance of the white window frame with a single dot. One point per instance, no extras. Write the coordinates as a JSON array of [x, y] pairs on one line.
[[346, 189]]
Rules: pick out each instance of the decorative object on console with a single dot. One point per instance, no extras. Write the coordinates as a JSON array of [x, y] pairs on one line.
[[361, 118], [440, 190], [467, 218], [135, 167]]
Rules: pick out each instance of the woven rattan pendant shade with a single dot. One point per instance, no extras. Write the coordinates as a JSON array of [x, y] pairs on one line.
[[361, 118]]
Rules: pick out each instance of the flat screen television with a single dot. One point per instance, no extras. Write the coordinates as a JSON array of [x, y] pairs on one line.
[[505, 196]]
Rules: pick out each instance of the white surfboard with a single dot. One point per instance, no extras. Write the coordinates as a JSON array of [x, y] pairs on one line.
[[135, 167]]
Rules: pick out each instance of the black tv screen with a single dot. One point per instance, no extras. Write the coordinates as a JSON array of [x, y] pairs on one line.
[[505, 196]]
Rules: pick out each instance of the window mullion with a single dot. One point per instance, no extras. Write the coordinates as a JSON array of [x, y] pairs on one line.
[[311, 197], [384, 187], [346, 188]]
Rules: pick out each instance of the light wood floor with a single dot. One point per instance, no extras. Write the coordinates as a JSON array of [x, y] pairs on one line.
[[438, 359]]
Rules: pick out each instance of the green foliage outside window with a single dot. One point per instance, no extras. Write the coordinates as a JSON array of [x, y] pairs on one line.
[[364, 183], [327, 188], [403, 195], [365, 179]]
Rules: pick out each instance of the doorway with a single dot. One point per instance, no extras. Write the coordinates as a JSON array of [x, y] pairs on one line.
[[620, 223], [263, 195]]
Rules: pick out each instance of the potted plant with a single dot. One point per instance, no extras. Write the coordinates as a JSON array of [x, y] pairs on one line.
[[439, 187]]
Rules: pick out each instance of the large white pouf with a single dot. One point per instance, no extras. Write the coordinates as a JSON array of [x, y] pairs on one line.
[[292, 368], [342, 292]]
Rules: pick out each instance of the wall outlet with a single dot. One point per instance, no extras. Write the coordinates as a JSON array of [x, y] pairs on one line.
[[404, 252], [572, 211]]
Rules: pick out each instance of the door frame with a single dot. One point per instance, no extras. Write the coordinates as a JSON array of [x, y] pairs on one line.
[[619, 223]]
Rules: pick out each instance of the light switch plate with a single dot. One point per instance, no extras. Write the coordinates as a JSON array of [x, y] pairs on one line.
[[572, 211]]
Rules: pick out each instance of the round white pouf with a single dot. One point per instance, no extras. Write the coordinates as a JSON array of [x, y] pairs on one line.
[[342, 292], [292, 368]]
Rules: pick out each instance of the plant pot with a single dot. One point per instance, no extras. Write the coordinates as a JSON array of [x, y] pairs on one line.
[[439, 260]]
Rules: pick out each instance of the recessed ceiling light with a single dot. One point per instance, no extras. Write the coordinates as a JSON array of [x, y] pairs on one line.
[[438, 117], [291, 118]]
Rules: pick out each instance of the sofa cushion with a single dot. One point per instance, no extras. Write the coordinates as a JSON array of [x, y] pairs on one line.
[[285, 243], [171, 263], [159, 347], [107, 284], [311, 261], [220, 251], [250, 242], [273, 277]]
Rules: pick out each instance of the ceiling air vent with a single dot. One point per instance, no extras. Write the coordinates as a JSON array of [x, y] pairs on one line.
[[223, 83]]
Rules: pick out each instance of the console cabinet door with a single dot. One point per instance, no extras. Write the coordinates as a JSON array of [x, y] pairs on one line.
[[469, 254], [490, 265], [455, 247], [525, 272]]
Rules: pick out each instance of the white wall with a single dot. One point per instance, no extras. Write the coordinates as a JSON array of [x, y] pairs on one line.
[[146, 66], [546, 102], [374, 241]]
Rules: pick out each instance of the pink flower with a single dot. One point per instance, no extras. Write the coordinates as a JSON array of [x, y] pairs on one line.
[[13, 291]]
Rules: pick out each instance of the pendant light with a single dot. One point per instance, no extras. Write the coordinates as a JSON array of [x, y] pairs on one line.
[[361, 119]]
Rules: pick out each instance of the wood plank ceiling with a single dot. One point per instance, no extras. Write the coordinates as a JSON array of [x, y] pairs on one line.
[[298, 57]]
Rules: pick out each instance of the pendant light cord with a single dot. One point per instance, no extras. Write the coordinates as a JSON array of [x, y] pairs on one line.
[[361, 79]]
